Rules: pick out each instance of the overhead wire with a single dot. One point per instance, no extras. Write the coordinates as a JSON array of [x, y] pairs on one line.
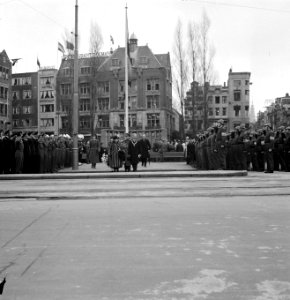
[[36, 10], [239, 5]]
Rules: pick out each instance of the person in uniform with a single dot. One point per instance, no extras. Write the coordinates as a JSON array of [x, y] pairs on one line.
[[19, 147], [287, 148], [269, 146]]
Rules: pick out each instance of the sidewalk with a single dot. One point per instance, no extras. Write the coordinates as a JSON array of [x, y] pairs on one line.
[[152, 167], [153, 170]]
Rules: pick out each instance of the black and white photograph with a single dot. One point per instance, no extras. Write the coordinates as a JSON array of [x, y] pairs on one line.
[[145, 150]]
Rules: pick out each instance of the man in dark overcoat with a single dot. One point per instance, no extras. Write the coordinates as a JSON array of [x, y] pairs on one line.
[[145, 148], [134, 151]]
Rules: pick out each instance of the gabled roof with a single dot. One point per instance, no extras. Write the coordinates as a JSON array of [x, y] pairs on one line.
[[141, 51], [4, 59], [164, 59]]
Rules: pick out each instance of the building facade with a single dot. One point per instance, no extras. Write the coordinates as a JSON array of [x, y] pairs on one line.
[[229, 102], [47, 117], [278, 113], [24, 89], [102, 93], [5, 92]]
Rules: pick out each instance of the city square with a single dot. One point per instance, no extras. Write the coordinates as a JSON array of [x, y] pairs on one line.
[[146, 238], [144, 150]]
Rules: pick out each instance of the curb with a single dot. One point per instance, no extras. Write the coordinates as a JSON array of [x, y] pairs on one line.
[[125, 175]]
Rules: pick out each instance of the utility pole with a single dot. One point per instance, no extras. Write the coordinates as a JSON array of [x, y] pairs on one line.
[[75, 116]]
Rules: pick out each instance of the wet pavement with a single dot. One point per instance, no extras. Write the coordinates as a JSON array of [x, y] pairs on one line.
[[161, 238]]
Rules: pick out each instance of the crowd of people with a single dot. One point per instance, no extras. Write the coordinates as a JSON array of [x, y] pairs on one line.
[[34, 153], [126, 153], [263, 150], [243, 148]]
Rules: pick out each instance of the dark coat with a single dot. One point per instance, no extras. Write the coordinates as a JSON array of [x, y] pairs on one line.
[[145, 147], [134, 149], [94, 151]]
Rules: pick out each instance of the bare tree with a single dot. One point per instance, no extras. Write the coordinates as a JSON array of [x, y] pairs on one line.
[[96, 43], [96, 38], [193, 50], [206, 54], [181, 68]]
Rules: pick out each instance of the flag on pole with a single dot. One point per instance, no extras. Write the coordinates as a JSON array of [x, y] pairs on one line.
[[38, 63], [112, 40], [14, 61], [69, 45], [60, 48]]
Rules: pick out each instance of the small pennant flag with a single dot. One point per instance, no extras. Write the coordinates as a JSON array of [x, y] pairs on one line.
[[14, 61], [38, 63], [60, 47], [112, 40], [69, 45]]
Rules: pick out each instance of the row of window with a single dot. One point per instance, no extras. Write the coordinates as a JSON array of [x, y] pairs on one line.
[[238, 83], [22, 123], [223, 111], [47, 81], [103, 103], [26, 95], [104, 87], [153, 121], [223, 99], [21, 81], [16, 110], [49, 94], [143, 60]]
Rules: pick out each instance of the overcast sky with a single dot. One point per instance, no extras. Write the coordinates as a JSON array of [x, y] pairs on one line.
[[248, 35]]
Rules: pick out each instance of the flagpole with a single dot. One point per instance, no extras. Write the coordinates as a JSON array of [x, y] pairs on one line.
[[126, 75], [75, 105]]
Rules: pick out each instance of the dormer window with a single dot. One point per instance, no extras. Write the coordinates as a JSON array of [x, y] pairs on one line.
[[143, 60], [115, 62]]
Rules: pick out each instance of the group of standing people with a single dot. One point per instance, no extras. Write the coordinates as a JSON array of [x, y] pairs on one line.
[[34, 153], [263, 150], [128, 152]]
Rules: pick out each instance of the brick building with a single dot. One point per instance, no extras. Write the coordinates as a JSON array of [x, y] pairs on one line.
[[5, 91], [24, 96], [102, 97], [47, 117], [228, 102]]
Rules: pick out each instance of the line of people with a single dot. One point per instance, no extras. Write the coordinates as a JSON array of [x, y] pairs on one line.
[[128, 152], [34, 153], [263, 150]]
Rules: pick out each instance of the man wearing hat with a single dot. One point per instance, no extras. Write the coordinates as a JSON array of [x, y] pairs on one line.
[[134, 151], [279, 153]]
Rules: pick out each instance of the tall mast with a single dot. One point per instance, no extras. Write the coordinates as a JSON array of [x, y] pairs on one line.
[[75, 116], [126, 74]]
